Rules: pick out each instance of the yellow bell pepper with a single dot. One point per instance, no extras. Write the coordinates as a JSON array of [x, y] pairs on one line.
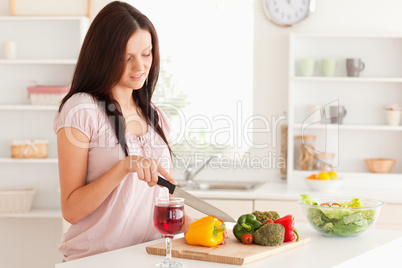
[[207, 231]]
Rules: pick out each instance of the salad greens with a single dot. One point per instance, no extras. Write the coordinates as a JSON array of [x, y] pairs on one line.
[[343, 219]]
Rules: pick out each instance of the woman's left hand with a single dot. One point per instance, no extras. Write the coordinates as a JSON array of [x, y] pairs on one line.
[[147, 169]]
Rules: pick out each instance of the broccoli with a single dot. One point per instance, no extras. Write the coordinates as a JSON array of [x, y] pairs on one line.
[[270, 234], [263, 216]]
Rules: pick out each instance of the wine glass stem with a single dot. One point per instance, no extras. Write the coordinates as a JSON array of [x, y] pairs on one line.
[[168, 249]]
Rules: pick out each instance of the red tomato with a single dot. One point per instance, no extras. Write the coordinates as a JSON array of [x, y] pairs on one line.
[[225, 234], [247, 238], [324, 205], [335, 205], [267, 221]]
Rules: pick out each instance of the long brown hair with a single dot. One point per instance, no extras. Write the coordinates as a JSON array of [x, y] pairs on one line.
[[101, 64]]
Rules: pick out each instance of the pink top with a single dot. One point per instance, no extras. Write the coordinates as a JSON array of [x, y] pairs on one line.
[[125, 217]]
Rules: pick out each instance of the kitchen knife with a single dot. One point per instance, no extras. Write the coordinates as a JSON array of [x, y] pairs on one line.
[[195, 202]]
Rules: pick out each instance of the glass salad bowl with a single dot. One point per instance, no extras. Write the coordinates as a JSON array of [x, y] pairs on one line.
[[340, 216]]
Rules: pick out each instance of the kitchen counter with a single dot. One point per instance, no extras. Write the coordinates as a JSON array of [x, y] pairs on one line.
[[282, 191], [374, 248]]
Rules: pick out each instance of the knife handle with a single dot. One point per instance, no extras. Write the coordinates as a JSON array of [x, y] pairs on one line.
[[167, 184]]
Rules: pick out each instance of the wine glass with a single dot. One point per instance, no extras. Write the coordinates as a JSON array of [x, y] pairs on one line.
[[169, 220]]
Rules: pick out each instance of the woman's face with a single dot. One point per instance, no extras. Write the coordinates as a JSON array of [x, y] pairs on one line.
[[138, 60]]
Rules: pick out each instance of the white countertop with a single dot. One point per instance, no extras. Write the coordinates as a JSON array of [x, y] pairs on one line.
[[282, 191], [377, 247]]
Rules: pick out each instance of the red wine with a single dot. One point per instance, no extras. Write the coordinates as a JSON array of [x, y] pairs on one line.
[[169, 219]]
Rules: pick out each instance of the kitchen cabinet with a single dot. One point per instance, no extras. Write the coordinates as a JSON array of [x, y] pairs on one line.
[[28, 241], [234, 208], [364, 132], [390, 217], [47, 49]]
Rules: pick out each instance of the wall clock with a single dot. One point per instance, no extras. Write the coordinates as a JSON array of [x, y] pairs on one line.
[[285, 13]]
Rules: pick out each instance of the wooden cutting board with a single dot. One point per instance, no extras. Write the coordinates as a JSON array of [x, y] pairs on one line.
[[233, 252]]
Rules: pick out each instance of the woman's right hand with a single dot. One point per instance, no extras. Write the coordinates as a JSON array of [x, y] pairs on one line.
[[147, 169]]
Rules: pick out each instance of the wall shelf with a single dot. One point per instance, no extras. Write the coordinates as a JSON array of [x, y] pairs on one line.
[[42, 18], [347, 79], [28, 107], [347, 35], [364, 133], [349, 127], [38, 62], [48, 48], [5, 160], [35, 213], [352, 175]]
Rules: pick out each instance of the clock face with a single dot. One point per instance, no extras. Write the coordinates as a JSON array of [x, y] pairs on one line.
[[287, 12]]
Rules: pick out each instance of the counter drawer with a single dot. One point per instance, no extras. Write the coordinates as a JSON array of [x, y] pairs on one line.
[[390, 214]]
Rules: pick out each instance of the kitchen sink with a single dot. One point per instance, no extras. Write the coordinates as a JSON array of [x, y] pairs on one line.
[[221, 185]]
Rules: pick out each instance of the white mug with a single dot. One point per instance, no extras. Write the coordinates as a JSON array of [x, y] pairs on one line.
[[10, 50], [393, 117]]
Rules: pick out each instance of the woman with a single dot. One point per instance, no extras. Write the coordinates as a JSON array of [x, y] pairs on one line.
[[112, 141]]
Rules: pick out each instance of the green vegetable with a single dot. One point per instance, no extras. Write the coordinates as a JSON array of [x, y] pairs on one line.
[[338, 220], [307, 199], [246, 224], [262, 216], [270, 234]]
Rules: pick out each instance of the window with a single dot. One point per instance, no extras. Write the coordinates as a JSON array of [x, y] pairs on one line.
[[206, 71]]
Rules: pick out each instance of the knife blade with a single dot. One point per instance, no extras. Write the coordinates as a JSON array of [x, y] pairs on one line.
[[195, 202]]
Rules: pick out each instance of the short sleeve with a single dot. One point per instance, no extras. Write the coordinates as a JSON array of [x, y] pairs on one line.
[[80, 112], [163, 122]]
